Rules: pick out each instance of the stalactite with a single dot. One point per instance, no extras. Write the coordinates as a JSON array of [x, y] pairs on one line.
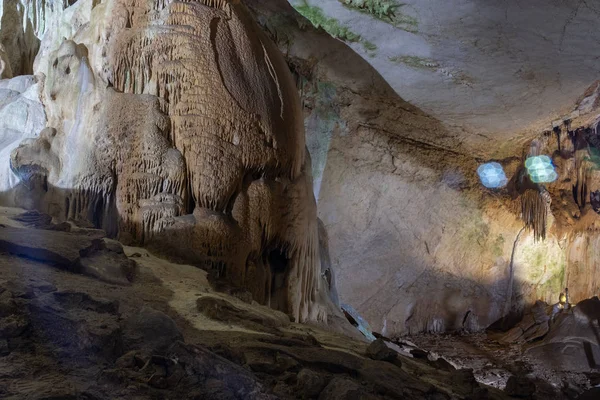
[[534, 211], [581, 189]]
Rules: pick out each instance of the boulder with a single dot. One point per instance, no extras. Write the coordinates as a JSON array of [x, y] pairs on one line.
[[378, 350], [59, 248], [519, 386], [571, 343], [75, 252], [109, 266], [310, 383], [13, 326], [534, 325], [536, 332], [150, 331]]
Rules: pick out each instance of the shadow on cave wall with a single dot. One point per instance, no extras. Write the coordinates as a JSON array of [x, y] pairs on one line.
[[447, 316]]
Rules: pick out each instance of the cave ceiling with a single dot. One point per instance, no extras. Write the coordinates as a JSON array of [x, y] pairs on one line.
[[493, 71]]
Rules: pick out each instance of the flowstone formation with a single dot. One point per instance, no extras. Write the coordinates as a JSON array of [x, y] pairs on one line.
[[177, 126]]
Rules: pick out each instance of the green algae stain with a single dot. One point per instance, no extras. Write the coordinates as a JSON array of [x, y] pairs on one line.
[[498, 246], [331, 25], [545, 266], [388, 11], [416, 62], [369, 46]]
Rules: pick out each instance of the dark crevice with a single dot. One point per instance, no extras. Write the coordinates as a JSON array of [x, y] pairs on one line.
[[465, 319]]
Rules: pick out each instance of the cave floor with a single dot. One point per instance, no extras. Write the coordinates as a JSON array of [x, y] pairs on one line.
[[70, 336], [494, 362]]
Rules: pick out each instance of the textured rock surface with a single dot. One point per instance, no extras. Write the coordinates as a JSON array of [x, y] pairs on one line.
[[22, 117], [378, 350]]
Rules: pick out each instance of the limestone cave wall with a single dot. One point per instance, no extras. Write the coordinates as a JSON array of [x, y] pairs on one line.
[[417, 242]]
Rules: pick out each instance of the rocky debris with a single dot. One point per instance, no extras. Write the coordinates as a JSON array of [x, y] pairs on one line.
[[594, 378], [186, 369], [494, 363], [378, 350], [77, 253], [13, 326], [72, 326], [443, 364], [465, 378], [405, 347], [534, 325], [310, 383], [70, 330], [315, 367], [79, 329], [344, 389], [520, 386]]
